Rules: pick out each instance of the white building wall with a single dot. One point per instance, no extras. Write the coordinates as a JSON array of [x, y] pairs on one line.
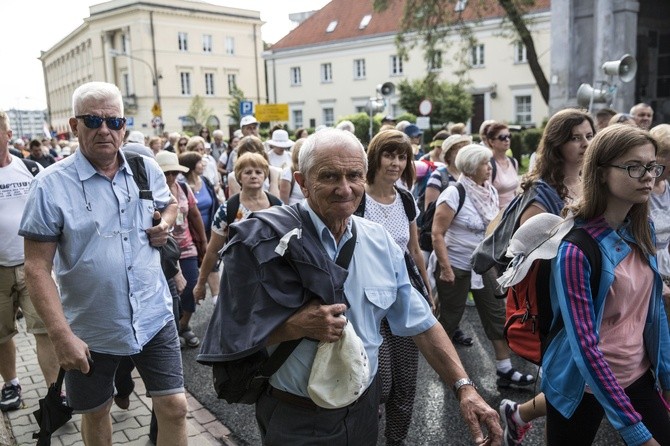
[[500, 74]]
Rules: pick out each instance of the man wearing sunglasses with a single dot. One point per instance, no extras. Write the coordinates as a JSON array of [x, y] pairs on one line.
[[87, 213]]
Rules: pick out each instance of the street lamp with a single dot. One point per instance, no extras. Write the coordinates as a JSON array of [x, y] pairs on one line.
[[157, 109]]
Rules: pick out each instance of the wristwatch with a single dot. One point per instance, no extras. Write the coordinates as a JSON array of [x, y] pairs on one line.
[[463, 382]]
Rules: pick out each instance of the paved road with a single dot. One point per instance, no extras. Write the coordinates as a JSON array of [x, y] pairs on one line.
[[436, 420]]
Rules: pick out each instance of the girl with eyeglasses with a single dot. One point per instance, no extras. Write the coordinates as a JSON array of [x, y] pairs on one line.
[[613, 353], [504, 175]]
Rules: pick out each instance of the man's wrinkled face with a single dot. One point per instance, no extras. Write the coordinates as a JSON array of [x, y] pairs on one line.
[[335, 183], [103, 141], [643, 117]]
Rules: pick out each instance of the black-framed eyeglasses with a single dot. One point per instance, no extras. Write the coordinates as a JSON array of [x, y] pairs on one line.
[[638, 170], [94, 122], [506, 137]]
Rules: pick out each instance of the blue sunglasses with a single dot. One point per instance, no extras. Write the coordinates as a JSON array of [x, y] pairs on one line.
[[94, 122]]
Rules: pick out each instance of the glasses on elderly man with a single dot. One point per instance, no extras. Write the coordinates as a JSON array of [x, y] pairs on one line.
[[94, 122], [638, 170]]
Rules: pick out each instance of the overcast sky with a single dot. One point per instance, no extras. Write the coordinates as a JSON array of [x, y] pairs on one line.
[[31, 26]]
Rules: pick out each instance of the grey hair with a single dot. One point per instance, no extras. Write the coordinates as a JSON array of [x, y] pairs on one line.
[[330, 138], [346, 125], [218, 132], [470, 157], [4, 121], [98, 92]]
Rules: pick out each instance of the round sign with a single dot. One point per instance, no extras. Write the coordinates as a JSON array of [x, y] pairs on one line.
[[156, 122], [425, 107]]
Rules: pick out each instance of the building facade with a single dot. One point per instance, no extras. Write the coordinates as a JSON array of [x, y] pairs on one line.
[[28, 124], [161, 54], [330, 65], [587, 33]]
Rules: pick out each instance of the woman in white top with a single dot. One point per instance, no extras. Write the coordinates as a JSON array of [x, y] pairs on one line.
[[506, 177], [254, 144], [389, 160], [456, 233], [289, 190]]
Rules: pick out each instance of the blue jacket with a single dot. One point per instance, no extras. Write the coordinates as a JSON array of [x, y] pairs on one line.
[[572, 361]]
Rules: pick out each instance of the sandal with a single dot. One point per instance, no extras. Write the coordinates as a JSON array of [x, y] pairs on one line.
[[461, 338], [506, 379], [190, 339]]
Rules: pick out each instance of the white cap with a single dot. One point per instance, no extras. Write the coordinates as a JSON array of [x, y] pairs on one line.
[[248, 120]]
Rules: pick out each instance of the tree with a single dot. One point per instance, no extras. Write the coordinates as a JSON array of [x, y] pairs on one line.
[[432, 21], [451, 102], [234, 106], [199, 111]]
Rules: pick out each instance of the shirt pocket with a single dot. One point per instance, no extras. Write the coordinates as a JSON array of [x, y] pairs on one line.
[[381, 297]]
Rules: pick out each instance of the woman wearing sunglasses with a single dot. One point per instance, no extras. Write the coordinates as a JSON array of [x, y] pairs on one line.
[[504, 175]]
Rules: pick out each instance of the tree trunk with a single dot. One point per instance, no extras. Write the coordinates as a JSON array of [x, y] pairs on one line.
[[527, 40]]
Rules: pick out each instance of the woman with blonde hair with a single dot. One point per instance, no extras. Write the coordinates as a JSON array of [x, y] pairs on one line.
[[614, 348], [251, 169], [253, 144]]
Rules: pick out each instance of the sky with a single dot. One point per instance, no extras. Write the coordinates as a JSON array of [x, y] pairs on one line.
[[32, 26]]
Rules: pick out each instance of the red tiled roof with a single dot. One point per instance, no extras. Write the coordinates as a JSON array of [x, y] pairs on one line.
[[349, 13]]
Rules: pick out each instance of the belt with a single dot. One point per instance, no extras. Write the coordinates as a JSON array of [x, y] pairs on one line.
[[306, 403]]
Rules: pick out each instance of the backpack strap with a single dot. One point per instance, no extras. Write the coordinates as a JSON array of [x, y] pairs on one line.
[[407, 202], [583, 240], [31, 165], [461, 197], [494, 167], [274, 201], [136, 164], [232, 205], [514, 162]]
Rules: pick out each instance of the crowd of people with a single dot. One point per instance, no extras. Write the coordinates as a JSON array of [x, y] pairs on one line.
[[99, 316]]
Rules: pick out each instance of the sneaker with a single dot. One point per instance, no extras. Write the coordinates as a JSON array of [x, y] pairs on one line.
[[470, 301], [11, 397], [514, 432]]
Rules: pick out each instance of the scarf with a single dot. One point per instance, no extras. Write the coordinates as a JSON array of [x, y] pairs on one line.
[[484, 198]]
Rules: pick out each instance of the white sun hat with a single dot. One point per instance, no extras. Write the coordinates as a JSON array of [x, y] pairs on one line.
[[538, 238]]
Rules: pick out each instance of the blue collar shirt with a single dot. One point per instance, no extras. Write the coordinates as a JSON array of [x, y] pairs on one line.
[[114, 294], [377, 287]]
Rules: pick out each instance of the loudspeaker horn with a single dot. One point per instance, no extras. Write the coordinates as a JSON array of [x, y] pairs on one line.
[[586, 93], [386, 89], [625, 68]]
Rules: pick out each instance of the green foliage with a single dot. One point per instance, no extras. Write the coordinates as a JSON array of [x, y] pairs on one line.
[[531, 139], [451, 102], [234, 106], [199, 110]]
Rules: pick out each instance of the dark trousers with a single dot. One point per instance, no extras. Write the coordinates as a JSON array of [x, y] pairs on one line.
[[582, 427], [283, 423]]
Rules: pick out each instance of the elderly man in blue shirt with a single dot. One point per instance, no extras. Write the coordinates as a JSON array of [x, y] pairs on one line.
[[332, 167], [87, 217]]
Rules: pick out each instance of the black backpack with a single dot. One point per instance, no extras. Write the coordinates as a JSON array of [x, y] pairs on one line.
[[494, 166], [31, 165], [407, 203], [425, 220]]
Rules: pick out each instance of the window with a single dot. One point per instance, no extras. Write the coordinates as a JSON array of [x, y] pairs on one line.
[[297, 119], [296, 76], [523, 109], [183, 41], [126, 84], [365, 21], [477, 56], [328, 116], [331, 26], [436, 61], [326, 72], [209, 84], [359, 69], [125, 43], [396, 65], [520, 55], [185, 83], [232, 83], [206, 43], [230, 46]]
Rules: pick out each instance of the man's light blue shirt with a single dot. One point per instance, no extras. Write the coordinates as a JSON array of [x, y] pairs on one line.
[[113, 291], [377, 286]]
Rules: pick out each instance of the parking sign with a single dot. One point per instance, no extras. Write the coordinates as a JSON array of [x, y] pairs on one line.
[[246, 108]]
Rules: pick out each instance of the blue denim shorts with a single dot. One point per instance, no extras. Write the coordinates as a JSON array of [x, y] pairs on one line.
[[159, 364]]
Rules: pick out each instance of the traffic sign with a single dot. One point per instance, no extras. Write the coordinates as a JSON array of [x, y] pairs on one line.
[[156, 109], [130, 121], [246, 108], [425, 107], [156, 122], [423, 122], [271, 112]]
